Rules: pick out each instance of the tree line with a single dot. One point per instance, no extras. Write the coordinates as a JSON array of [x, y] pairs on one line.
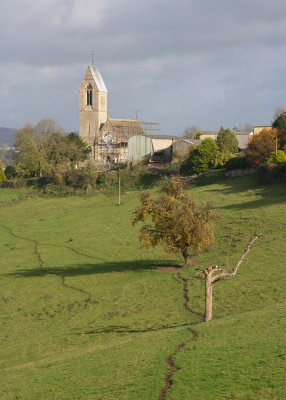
[[267, 149], [44, 148]]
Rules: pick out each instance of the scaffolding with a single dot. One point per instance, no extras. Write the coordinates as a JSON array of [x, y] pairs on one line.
[[112, 145], [150, 127]]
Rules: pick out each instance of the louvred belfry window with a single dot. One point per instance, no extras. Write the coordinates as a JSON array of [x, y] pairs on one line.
[[89, 95]]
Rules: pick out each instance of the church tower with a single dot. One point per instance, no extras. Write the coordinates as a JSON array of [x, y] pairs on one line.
[[92, 107]]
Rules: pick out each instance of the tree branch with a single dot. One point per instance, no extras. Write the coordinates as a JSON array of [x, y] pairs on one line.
[[233, 273]]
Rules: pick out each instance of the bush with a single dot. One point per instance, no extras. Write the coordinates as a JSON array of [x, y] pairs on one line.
[[14, 184], [80, 178], [202, 159], [10, 172], [2, 174], [278, 158], [272, 173], [239, 162]]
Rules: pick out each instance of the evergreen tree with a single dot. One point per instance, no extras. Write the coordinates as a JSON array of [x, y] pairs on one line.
[[227, 141], [203, 158], [280, 123]]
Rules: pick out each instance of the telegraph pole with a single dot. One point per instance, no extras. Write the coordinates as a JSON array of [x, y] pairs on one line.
[[276, 145], [119, 186]]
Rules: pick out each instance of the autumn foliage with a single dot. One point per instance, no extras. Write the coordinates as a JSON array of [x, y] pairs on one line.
[[261, 146], [174, 220]]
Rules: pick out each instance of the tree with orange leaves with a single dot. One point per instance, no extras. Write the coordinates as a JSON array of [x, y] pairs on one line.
[[261, 146]]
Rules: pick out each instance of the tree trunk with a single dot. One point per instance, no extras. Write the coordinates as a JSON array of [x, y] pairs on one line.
[[187, 257], [208, 294]]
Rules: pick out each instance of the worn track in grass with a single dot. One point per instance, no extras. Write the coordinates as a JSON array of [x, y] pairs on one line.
[[169, 358], [41, 262]]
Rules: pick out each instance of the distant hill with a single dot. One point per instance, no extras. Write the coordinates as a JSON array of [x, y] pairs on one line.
[[7, 136]]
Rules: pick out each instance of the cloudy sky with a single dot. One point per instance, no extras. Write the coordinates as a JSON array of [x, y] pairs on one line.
[[181, 62]]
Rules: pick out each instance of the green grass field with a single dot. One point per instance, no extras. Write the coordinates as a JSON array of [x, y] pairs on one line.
[[86, 315]]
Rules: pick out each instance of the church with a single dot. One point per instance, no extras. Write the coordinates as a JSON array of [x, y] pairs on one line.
[[106, 137]]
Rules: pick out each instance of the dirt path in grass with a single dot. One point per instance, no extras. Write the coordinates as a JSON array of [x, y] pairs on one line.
[[41, 262], [170, 357]]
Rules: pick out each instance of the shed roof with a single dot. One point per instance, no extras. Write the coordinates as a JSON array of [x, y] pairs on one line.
[[214, 133], [171, 137]]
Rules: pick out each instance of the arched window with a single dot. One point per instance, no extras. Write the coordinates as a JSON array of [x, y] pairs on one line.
[[89, 95]]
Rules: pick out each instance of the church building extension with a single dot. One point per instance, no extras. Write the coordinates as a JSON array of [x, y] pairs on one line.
[[106, 137]]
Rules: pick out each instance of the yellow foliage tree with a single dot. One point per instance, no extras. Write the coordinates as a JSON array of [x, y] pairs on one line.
[[174, 220], [2, 173]]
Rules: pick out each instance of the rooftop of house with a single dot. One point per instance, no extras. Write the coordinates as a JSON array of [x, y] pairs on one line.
[[235, 132]]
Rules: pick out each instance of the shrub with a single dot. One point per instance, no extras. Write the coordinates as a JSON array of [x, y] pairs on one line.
[[239, 162], [203, 158], [2, 174], [278, 158], [272, 173], [10, 172]]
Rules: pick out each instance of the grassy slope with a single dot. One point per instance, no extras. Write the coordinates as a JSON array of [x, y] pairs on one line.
[[53, 347]]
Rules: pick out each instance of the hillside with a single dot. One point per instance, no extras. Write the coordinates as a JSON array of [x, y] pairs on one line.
[[87, 315], [7, 136]]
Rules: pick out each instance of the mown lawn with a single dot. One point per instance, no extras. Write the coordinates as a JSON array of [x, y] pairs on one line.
[[85, 314]]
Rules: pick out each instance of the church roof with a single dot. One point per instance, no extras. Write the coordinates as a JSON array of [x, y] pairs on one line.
[[122, 127], [98, 78]]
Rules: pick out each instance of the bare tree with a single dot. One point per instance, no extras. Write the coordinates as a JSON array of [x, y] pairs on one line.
[[191, 131], [214, 274], [278, 111], [246, 127]]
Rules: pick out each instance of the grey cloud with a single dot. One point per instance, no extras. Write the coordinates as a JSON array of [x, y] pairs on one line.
[[182, 62]]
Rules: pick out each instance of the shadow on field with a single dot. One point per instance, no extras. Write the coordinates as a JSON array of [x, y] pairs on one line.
[[91, 269], [266, 195], [127, 329]]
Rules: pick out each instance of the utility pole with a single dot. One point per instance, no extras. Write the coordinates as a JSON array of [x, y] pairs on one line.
[[276, 146], [119, 186]]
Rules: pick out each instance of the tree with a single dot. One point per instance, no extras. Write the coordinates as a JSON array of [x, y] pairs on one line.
[[30, 160], [198, 134], [10, 172], [261, 146], [227, 141], [190, 132], [203, 158], [174, 220], [2, 174], [47, 127], [58, 151], [280, 122], [44, 147], [280, 125], [247, 127], [214, 274], [79, 151], [279, 110]]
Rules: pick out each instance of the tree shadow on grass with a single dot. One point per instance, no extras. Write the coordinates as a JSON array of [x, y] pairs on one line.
[[266, 195], [92, 269], [127, 329]]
